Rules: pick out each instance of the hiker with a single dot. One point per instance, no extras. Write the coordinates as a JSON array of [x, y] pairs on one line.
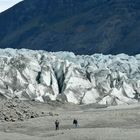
[[56, 125], [75, 123]]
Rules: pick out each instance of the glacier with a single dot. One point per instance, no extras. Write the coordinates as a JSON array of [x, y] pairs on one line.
[[63, 76]]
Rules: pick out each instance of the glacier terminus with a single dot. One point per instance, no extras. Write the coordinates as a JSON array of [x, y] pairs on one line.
[[66, 77]]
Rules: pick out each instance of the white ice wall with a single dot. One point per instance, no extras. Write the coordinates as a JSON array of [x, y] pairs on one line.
[[43, 76]]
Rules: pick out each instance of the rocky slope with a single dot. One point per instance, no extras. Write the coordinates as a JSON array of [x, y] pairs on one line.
[[43, 76], [80, 26], [16, 110]]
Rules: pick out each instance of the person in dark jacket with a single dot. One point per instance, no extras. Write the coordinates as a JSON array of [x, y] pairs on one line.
[[56, 125], [75, 123]]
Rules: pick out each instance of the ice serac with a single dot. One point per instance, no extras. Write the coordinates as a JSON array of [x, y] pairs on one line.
[[44, 76]]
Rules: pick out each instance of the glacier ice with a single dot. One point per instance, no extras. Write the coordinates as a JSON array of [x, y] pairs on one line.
[[44, 76]]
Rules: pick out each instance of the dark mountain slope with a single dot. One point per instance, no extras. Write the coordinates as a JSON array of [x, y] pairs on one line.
[[81, 26]]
